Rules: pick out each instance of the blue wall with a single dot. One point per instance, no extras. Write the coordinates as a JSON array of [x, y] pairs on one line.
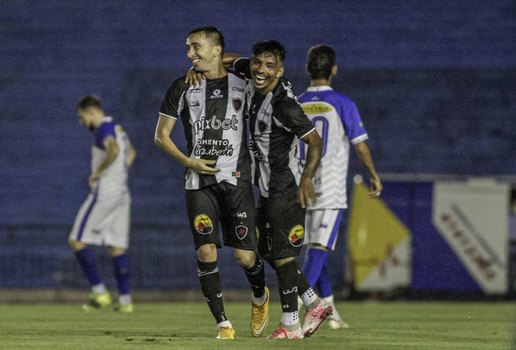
[[435, 82]]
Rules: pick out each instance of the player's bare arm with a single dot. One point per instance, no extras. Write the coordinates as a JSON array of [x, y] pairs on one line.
[[229, 58], [365, 157], [112, 150], [131, 155], [163, 140], [306, 194]]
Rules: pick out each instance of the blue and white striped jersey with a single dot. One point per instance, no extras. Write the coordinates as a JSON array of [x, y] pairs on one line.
[[338, 122], [115, 176]]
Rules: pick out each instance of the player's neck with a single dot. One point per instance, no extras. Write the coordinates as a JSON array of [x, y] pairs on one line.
[[216, 73], [98, 119], [320, 82]]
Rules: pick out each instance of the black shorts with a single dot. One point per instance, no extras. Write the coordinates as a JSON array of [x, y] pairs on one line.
[[225, 205], [281, 226]]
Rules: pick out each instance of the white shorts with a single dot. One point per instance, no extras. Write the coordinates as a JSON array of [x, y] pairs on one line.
[[104, 220], [322, 226]]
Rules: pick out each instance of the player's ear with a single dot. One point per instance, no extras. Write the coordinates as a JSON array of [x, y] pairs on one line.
[[217, 50], [334, 70], [280, 72]]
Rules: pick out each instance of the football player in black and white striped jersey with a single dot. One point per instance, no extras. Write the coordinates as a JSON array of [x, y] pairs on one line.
[[218, 172]]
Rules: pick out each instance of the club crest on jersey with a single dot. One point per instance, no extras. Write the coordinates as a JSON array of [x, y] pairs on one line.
[[241, 231], [237, 104], [296, 235], [216, 94], [203, 224]]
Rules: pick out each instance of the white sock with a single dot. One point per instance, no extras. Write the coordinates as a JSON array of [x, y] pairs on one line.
[[289, 318], [99, 288], [224, 324], [335, 315], [309, 297], [125, 299], [259, 301]]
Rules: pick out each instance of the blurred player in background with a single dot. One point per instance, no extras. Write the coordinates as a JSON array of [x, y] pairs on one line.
[[104, 218], [337, 120], [277, 122], [218, 173]]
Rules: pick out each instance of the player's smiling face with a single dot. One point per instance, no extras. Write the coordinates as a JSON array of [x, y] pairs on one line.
[[266, 69], [201, 52]]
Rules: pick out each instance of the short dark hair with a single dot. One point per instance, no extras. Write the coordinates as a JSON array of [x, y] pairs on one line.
[[271, 46], [89, 101], [212, 33], [320, 61]]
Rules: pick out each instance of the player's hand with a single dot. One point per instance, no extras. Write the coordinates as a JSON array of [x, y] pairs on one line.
[[194, 78], [92, 180], [305, 193], [202, 166], [375, 185]]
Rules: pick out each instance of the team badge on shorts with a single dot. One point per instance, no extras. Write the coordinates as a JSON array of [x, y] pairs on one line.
[[296, 235], [241, 231], [203, 224]]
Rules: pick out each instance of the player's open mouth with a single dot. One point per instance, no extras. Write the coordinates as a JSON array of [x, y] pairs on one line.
[[259, 79], [194, 62]]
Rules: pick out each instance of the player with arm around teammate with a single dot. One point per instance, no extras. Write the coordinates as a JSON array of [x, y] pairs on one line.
[[277, 122], [338, 121], [218, 173], [104, 218]]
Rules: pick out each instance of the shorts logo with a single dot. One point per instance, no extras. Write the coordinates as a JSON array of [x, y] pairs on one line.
[[242, 215], [241, 231], [237, 104], [203, 224], [296, 235]]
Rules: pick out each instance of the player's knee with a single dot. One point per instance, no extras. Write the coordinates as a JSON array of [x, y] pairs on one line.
[[76, 245], [207, 252], [245, 258], [115, 251]]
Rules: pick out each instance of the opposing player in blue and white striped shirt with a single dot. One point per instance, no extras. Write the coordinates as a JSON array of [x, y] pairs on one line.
[[337, 120], [104, 218]]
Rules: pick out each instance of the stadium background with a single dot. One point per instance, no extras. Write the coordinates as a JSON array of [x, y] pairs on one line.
[[435, 82]]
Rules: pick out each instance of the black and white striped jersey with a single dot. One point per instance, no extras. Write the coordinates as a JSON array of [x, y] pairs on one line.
[[277, 122], [213, 119]]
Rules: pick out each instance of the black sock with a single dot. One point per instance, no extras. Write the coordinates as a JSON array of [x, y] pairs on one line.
[[288, 285], [256, 277], [302, 283], [211, 289]]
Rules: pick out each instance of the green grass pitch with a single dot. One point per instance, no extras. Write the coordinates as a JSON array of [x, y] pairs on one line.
[[374, 325]]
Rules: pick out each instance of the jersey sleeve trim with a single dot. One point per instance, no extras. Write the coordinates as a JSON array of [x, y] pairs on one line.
[[359, 139], [168, 116], [302, 137]]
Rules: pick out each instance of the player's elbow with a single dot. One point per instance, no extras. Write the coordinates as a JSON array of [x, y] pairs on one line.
[[158, 140]]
